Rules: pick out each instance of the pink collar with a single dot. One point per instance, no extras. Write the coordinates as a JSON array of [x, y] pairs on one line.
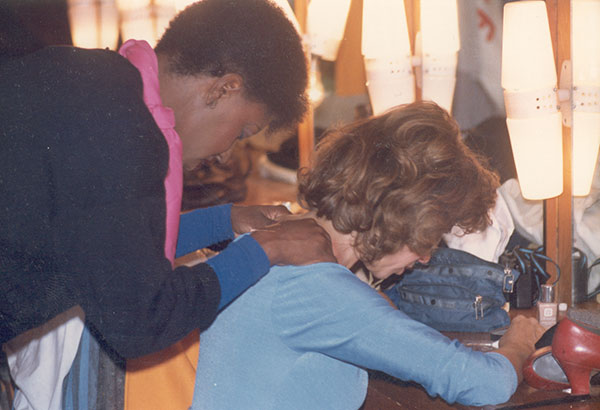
[[142, 56]]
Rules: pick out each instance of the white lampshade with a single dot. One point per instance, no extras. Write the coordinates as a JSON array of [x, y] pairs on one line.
[[389, 82], [439, 27], [586, 141], [325, 25], [529, 81], [585, 48], [527, 57], [439, 47], [94, 24], [384, 30], [585, 45], [537, 149], [387, 54]]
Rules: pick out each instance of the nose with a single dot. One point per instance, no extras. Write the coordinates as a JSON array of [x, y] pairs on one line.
[[424, 259]]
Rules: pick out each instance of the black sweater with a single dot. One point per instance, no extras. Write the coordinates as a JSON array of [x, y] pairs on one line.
[[82, 210]]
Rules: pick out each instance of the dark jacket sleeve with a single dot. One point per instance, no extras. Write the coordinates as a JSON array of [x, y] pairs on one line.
[[126, 286]]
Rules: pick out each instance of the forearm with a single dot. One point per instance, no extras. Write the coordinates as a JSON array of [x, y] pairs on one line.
[[140, 318], [238, 267], [203, 227], [126, 286], [350, 322]]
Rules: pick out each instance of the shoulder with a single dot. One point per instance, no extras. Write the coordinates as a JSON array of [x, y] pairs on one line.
[[321, 288], [87, 105], [326, 279], [92, 64], [70, 74], [318, 275], [323, 306]]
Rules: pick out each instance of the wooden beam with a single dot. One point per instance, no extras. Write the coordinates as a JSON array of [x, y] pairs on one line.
[[558, 215], [350, 77], [413, 22], [306, 129]]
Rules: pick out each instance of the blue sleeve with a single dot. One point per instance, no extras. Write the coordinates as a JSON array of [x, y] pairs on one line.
[[238, 267], [203, 227], [325, 308]]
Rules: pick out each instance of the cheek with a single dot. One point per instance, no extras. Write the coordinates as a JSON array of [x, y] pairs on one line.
[[224, 134], [384, 274], [202, 143], [392, 264]]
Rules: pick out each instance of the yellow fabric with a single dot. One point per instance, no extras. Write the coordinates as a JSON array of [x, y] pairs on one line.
[[163, 380]]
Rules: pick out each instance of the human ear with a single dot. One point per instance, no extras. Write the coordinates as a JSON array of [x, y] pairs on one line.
[[222, 87]]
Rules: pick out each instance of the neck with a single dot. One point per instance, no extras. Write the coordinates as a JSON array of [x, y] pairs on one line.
[[341, 243]]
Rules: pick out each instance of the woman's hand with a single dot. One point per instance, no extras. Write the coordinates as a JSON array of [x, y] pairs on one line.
[[518, 343], [246, 219]]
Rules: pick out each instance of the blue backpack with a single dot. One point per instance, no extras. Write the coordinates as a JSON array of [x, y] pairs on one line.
[[455, 292]]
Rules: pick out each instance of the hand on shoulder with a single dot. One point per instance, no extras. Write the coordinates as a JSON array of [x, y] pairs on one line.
[[295, 242], [245, 219]]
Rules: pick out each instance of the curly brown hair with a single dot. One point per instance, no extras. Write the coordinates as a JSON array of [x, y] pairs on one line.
[[401, 178]]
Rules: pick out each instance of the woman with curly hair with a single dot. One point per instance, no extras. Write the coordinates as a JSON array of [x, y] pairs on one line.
[[385, 189]]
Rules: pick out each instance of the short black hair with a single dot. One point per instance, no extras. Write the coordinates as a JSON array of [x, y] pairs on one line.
[[252, 38]]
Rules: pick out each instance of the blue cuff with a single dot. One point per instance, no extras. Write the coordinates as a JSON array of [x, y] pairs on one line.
[[238, 267], [203, 227]]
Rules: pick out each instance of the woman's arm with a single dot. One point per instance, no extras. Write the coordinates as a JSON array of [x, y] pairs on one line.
[[330, 311]]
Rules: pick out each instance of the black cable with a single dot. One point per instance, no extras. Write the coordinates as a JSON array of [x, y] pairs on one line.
[[534, 255], [589, 272]]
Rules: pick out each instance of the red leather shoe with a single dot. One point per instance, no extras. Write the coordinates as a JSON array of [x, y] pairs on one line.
[[576, 347], [542, 371]]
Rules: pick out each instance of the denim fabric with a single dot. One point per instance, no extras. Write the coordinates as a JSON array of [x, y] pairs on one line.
[[96, 380], [442, 294], [301, 336]]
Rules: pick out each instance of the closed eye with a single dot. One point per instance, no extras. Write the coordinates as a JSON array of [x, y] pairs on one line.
[[249, 131]]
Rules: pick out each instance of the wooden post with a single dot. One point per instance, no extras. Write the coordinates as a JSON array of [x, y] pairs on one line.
[[306, 132], [413, 17], [558, 215], [350, 77]]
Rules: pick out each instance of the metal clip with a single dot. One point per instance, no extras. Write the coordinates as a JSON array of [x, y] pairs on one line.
[[509, 280], [478, 305]]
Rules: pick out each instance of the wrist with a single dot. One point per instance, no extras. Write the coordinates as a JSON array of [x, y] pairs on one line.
[[263, 238]]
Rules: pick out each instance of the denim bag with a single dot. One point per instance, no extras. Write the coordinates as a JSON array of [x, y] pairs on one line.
[[455, 292]]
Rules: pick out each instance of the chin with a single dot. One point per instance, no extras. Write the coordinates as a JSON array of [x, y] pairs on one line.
[[381, 276]]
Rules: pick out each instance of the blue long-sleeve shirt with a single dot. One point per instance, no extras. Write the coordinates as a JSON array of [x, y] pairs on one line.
[[301, 337], [237, 267]]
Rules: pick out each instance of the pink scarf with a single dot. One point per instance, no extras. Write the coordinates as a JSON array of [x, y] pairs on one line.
[[142, 56]]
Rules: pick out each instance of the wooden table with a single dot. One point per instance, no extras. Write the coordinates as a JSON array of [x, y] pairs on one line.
[[387, 393]]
